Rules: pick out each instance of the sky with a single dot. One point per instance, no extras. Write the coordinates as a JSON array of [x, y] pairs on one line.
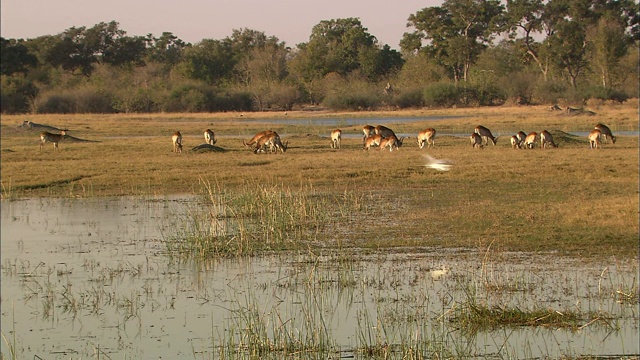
[[290, 21]]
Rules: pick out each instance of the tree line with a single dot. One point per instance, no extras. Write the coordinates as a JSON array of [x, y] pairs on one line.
[[462, 53]]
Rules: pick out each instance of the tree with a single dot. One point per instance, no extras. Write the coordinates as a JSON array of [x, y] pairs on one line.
[[16, 58], [456, 33], [609, 45], [167, 49], [212, 61]]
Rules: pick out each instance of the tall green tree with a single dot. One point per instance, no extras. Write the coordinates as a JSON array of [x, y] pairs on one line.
[[16, 57], [212, 61], [608, 45], [455, 33]]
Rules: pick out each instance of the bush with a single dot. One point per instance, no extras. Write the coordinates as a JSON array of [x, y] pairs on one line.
[[411, 98], [440, 95], [352, 101]]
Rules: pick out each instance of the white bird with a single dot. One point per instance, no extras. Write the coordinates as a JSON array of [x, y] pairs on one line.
[[438, 164]]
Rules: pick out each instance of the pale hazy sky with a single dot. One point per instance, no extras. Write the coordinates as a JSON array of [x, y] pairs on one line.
[[193, 20]]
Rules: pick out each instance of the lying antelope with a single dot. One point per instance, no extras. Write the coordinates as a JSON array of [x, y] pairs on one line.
[[530, 140], [605, 133], [177, 142], [384, 131], [52, 138], [546, 139], [373, 140], [336, 136], [255, 138], [427, 136], [476, 141], [391, 142], [209, 137], [367, 130], [521, 138], [485, 134], [594, 139]]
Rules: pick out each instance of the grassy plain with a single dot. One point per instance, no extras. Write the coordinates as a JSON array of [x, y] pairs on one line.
[[569, 200]]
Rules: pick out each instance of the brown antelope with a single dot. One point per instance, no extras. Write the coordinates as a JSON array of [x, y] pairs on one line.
[[485, 134], [521, 138], [177, 142], [594, 139], [605, 133], [391, 142], [367, 130], [427, 136], [52, 138], [373, 140], [272, 142], [476, 141], [515, 143], [255, 138], [530, 140], [384, 131], [546, 139], [336, 136], [209, 137]]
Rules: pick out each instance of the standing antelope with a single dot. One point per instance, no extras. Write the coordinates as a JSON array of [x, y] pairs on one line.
[[606, 133], [336, 136], [271, 141], [255, 138], [546, 139], [391, 142], [521, 138], [177, 142], [373, 140], [53, 138], [476, 141], [594, 139], [485, 134], [209, 137], [530, 140], [515, 143], [367, 130], [427, 136], [384, 131]]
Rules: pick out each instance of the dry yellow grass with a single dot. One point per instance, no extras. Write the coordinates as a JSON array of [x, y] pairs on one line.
[[571, 199]]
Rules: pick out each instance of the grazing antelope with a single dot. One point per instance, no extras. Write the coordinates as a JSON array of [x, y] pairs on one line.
[[476, 141], [515, 143], [427, 136], [336, 136], [255, 138], [209, 137], [605, 133], [367, 130], [271, 141], [373, 140], [53, 138], [546, 139], [391, 142], [594, 139], [177, 142], [521, 138], [384, 131], [485, 134], [530, 140]]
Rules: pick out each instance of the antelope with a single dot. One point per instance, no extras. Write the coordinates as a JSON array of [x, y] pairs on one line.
[[391, 142], [594, 139], [209, 137], [530, 140], [515, 143], [521, 138], [384, 131], [476, 141], [367, 130], [485, 134], [373, 140], [606, 133], [336, 136], [177, 142], [256, 137], [546, 139], [427, 136], [53, 138], [272, 141]]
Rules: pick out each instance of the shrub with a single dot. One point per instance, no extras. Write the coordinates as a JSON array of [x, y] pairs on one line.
[[408, 99], [352, 101], [440, 95]]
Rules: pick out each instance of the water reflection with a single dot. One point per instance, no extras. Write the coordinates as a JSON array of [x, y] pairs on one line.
[[91, 276]]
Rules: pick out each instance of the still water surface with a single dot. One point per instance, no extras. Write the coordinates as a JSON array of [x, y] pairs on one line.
[[82, 277]]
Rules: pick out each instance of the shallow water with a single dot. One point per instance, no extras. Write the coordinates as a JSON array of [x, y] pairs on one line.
[[82, 277]]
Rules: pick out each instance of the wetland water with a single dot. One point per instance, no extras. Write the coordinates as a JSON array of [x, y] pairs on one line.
[[91, 277]]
